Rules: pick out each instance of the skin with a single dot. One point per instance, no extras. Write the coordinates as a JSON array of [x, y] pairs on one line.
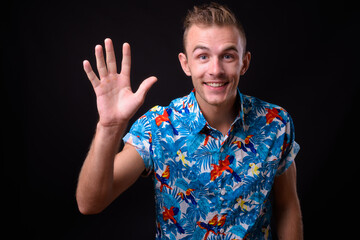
[[214, 55], [105, 173], [287, 212]]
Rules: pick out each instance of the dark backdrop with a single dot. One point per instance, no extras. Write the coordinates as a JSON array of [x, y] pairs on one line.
[[302, 60]]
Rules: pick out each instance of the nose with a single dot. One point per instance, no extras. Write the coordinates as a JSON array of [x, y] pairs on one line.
[[215, 68]]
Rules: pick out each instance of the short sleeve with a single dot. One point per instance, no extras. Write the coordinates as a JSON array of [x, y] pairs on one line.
[[290, 148], [139, 136]]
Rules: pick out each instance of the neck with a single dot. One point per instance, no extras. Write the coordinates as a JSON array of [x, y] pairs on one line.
[[222, 116]]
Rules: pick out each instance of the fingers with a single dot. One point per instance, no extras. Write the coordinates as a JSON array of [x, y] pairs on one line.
[[100, 62], [145, 87], [110, 66], [90, 74], [126, 61], [110, 56]]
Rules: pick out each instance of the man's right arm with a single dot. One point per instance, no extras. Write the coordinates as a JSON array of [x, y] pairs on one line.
[[105, 173]]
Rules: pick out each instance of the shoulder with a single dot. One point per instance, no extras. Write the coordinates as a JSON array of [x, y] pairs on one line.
[[251, 103], [256, 108], [177, 105]]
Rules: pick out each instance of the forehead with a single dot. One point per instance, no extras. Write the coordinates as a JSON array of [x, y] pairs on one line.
[[213, 37]]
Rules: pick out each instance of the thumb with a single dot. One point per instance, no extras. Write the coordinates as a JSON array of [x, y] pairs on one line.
[[145, 86]]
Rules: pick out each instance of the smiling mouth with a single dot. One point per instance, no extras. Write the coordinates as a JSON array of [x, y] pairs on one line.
[[216, 84]]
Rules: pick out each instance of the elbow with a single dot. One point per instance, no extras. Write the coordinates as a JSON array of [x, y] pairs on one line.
[[88, 207], [88, 210]]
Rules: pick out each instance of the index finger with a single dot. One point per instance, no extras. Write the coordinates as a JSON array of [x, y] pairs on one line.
[[126, 60]]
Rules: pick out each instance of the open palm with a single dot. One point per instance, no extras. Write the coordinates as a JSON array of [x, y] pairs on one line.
[[116, 102]]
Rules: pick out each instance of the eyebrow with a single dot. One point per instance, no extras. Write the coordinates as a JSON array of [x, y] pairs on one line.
[[232, 47], [200, 47]]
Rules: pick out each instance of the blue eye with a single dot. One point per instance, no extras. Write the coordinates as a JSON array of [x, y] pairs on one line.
[[228, 56], [203, 57]]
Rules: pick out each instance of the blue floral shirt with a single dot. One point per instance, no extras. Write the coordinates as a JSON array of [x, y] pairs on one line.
[[211, 186]]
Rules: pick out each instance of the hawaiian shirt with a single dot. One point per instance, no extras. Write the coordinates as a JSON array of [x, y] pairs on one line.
[[211, 186]]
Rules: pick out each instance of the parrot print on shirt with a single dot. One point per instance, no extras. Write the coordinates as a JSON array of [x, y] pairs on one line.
[[209, 185]]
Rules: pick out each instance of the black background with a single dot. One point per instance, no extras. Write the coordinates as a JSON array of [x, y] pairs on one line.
[[302, 59]]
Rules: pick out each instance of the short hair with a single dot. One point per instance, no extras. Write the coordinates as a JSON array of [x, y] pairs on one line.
[[210, 14]]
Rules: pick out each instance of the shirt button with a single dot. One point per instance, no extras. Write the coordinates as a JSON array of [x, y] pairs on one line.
[[223, 191]]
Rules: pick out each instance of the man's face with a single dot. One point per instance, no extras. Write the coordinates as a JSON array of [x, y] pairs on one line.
[[214, 59]]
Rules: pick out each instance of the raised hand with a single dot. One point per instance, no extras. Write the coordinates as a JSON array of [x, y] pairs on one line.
[[116, 102]]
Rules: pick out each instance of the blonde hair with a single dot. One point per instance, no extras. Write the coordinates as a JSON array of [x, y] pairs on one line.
[[210, 14]]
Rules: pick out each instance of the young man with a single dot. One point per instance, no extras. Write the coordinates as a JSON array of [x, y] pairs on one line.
[[215, 155]]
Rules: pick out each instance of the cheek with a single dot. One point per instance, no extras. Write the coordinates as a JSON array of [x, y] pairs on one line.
[[198, 70], [233, 71]]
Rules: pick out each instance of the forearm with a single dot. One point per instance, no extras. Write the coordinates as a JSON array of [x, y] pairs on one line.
[[116, 104], [289, 222], [95, 185]]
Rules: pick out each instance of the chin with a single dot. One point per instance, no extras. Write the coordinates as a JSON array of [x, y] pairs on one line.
[[215, 101]]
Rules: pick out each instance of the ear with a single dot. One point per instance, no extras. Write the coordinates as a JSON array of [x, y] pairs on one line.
[[246, 63], [184, 64]]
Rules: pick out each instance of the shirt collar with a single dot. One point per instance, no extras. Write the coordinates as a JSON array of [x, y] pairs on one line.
[[196, 120]]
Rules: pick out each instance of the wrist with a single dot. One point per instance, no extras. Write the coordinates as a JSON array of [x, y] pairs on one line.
[[111, 129], [112, 124]]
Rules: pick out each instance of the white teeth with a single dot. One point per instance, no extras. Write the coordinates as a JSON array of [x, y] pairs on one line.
[[215, 84]]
